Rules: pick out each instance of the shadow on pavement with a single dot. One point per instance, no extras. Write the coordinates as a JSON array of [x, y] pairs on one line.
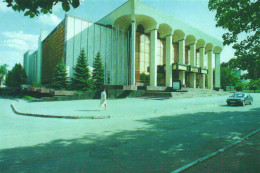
[[165, 144]]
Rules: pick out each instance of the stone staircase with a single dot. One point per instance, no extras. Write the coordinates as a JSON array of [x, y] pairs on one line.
[[184, 93]]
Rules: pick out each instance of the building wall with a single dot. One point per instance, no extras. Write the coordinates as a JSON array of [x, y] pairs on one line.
[[30, 66], [52, 52], [93, 38]]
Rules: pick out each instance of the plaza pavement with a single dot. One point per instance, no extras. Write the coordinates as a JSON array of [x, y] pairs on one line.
[[142, 135]]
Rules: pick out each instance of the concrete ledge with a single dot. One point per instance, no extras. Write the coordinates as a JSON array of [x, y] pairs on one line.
[[130, 87], [61, 93], [156, 88], [58, 116], [43, 91]]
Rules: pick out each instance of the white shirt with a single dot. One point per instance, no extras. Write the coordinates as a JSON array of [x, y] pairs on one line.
[[103, 95]]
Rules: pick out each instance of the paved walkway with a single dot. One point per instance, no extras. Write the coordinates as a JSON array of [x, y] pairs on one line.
[[141, 135], [119, 107]]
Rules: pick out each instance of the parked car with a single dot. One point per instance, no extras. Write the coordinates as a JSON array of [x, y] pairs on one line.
[[240, 99]]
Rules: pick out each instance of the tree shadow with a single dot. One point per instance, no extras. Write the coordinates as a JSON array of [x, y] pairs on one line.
[[164, 144]]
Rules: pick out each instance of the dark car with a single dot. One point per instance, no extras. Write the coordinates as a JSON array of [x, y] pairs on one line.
[[240, 99]]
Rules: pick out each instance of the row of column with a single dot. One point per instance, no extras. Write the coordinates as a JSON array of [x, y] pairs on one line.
[[169, 53]]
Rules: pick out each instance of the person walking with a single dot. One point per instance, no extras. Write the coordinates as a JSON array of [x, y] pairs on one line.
[[103, 101]]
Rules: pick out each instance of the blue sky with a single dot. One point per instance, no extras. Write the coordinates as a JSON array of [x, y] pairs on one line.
[[20, 33]]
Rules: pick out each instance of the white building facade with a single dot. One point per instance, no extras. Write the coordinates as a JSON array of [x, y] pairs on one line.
[[139, 45]]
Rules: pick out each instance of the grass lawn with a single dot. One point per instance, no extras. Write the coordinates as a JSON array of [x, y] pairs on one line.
[[251, 91]]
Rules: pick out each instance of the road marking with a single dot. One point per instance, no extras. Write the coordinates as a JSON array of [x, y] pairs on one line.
[[214, 153]]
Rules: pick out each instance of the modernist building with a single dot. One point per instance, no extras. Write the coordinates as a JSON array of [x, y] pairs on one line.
[[139, 45]]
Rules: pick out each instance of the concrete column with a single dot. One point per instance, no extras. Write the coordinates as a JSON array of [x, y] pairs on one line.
[[133, 38], [202, 79], [192, 55], [169, 61], [182, 60], [192, 77], [217, 70], [153, 60], [202, 53], [202, 76], [210, 70], [182, 51]]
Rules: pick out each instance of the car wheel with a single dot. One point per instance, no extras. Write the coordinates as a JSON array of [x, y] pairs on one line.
[[251, 102], [228, 104]]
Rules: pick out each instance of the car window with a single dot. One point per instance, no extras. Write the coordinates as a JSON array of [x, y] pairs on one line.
[[238, 95]]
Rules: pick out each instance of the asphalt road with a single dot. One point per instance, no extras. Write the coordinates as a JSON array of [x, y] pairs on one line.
[[141, 136]]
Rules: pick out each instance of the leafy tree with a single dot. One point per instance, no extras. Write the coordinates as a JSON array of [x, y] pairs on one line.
[[35, 7], [240, 17], [81, 77], [60, 80], [16, 77], [254, 84], [98, 73], [239, 86], [3, 72], [228, 78]]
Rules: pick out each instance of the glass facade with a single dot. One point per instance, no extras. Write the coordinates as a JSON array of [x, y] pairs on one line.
[[142, 59]]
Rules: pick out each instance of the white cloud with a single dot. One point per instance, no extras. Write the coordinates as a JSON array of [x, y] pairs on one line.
[[49, 19], [20, 41], [4, 8], [14, 44], [17, 44]]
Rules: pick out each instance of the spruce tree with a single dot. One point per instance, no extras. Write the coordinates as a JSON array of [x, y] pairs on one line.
[[60, 80], [98, 73], [16, 77], [81, 76]]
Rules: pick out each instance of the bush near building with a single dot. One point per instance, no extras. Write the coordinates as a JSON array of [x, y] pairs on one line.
[[81, 78], [98, 73]]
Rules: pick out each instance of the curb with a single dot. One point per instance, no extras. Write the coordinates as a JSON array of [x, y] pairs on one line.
[[214, 153], [58, 116]]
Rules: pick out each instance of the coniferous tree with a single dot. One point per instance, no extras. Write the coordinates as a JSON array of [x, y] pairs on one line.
[[81, 76], [98, 73], [16, 77], [60, 80]]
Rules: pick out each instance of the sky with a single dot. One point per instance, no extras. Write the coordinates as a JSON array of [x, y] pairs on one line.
[[19, 33]]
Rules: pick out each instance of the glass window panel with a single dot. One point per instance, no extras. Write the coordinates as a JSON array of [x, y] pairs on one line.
[[142, 69], [146, 40], [141, 56], [147, 57], [142, 47]]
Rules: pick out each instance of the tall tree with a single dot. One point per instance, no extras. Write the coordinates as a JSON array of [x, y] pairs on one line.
[[98, 73], [3, 72], [81, 77], [60, 80], [228, 78], [241, 17], [35, 7], [16, 77]]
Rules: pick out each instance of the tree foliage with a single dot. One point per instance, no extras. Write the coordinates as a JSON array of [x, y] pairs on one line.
[[254, 84], [228, 78], [98, 73], [35, 7], [241, 17], [16, 77], [60, 80], [81, 77], [3, 72]]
